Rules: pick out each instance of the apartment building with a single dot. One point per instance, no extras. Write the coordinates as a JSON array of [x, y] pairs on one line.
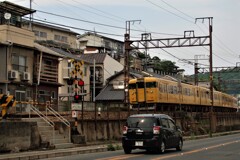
[[29, 71]]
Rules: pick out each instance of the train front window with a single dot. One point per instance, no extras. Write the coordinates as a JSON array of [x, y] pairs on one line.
[[140, 84], [151, 84], [132, 86]]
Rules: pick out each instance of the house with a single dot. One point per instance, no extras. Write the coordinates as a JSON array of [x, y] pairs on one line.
[[104, 67], [16, 51], [95, 43], [112, 95], [29, 71], [54, 36]]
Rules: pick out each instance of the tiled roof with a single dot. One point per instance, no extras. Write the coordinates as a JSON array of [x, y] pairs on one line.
[[98, 35], [99, 57], [110, 94], [47, 50], [69, 55]]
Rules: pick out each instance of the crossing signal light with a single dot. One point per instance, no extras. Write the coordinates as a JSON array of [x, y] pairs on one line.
[[81, 83], [70, 81], [77, 98]]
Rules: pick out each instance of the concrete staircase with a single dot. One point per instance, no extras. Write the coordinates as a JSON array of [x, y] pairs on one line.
[[49, 136]]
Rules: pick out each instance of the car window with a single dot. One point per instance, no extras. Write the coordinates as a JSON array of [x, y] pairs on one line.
[[165, 123], [171, 124], [142, 122]]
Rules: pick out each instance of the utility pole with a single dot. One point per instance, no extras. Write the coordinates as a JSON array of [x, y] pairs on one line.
[[31, 16], [146, 36], [210, 19], [128, 48]]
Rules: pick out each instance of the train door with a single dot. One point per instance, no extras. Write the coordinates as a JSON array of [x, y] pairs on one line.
[[163, 93], [140, 87], [151, 91]]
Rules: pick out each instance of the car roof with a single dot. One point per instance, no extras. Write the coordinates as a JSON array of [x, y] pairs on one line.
[[151, 115]]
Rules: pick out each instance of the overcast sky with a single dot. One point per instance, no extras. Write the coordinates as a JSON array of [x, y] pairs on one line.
[[163, 18]]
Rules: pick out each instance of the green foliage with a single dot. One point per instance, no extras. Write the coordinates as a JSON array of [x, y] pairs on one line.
[[111, 147], [166, 66], [141, 55]]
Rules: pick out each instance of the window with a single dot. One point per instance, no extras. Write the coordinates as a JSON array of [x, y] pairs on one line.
[[171, 124], [48, 62], [40, 34], [165, 123], [132, 86], [19, 63], [163, 88], [142, 122], [170, 89], [60, 38], [151, 84], [29, 93], [175, 91], [53, 95], [140, 84]]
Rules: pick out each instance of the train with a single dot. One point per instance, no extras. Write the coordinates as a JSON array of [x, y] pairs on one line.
[[153, 92]]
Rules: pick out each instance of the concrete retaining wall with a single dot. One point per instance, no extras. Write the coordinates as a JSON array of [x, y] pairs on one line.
[[17, 136]]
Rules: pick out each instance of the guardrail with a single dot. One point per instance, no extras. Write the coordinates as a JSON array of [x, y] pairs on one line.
[[61, 118], [45, 118]]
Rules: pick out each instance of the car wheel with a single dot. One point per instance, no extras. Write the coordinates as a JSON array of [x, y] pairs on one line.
[[127, 150], [162, 147], [180, 145]]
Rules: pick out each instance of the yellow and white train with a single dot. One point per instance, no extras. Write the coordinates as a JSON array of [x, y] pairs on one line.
[[153, 91]]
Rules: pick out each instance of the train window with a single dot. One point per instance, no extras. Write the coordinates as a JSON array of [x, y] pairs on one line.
[[170, 89], [163, 88], [151, 84], [132, 86], [175, 91], [140, 84]]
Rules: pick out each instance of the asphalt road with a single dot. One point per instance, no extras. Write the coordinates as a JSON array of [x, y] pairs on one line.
[[217, 148]]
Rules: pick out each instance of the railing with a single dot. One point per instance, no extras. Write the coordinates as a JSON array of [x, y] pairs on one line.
[[61, 118], [42, 116]]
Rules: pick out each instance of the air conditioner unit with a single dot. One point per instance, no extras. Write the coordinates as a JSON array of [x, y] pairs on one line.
[[25, 76], [13, 74]]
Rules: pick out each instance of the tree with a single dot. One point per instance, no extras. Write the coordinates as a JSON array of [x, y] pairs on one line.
[[165, 66]]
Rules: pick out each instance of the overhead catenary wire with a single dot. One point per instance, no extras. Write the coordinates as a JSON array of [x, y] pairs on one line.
[[192, 18], [102, 24], [169, 12]]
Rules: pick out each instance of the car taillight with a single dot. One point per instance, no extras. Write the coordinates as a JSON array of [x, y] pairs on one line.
[[156, 130], [125, 128]]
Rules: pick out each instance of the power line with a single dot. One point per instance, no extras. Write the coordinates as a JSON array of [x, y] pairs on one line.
[[102, 24], [77, 28], [177, 9], [223, 44], [169, 11]]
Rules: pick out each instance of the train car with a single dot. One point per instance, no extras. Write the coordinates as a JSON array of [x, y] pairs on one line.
[[154, 92]]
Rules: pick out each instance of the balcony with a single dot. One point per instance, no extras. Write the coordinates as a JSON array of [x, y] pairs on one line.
[[48, 73], [14, 35]]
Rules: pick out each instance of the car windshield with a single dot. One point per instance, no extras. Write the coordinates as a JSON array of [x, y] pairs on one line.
[[141, 122]]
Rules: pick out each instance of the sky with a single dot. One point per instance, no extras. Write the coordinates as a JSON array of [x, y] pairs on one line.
[[161, 18]]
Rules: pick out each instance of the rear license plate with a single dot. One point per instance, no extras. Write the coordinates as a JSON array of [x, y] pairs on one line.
[[138, 143]]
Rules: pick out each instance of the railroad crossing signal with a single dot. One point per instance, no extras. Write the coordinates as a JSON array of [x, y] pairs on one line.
[[77, 67]]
